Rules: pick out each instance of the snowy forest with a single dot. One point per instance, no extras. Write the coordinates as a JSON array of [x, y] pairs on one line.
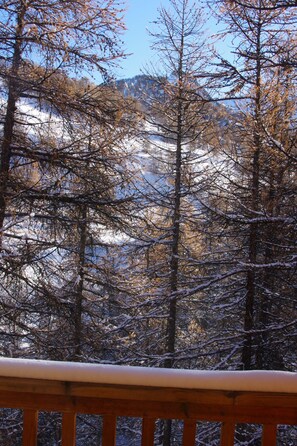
[[148, 221]]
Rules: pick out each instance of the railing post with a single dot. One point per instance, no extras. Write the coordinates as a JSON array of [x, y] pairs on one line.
[[109, 430], [68, 429], [30, 423], [227, 434], [269, 435], [189, 432], [148, 430]]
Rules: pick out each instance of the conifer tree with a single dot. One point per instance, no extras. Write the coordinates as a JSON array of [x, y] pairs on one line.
[[47, 158], [176, 113], [255, 207], [37, 40]]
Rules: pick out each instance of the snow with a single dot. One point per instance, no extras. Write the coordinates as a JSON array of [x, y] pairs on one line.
[[257, 381]]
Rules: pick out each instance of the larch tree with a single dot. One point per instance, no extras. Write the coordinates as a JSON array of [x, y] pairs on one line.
[[62, 175], [176, 115], [258, 182], [85, 203], [54, 135], [75, 37]]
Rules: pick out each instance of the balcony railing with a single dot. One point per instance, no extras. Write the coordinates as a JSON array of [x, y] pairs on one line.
[[267, 398]]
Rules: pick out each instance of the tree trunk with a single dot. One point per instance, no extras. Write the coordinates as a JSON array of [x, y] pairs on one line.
[[78, 304], [174, 261], [9, 119], [247, 351]]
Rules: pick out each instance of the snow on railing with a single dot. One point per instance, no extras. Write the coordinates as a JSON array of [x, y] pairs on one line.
[[263, 397], [254, 380]]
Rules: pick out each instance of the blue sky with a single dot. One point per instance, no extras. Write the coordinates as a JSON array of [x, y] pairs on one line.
[[139, 15], [138, 18]]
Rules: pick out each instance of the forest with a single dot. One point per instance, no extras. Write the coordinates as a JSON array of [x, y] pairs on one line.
[[148, 221]]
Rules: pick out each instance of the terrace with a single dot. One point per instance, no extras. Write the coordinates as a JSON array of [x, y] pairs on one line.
[[262, 397]]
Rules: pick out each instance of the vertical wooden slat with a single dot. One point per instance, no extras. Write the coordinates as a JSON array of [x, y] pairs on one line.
[[227, 434], [68, 429], [189, 433], [109, 430], [269, 435], [30, 424], [148, 430]]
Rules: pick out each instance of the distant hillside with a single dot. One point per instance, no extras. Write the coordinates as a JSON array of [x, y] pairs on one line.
[[143, 88], [151, 86], [146, 88], [136, 86]]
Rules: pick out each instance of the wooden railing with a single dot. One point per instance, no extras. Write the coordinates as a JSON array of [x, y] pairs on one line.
[[267, 398]]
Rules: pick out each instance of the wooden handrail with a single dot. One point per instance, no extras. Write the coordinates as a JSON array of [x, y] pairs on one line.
[[149, 402]]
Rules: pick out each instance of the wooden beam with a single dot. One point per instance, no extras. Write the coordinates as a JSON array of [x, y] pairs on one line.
[[203, 409]]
